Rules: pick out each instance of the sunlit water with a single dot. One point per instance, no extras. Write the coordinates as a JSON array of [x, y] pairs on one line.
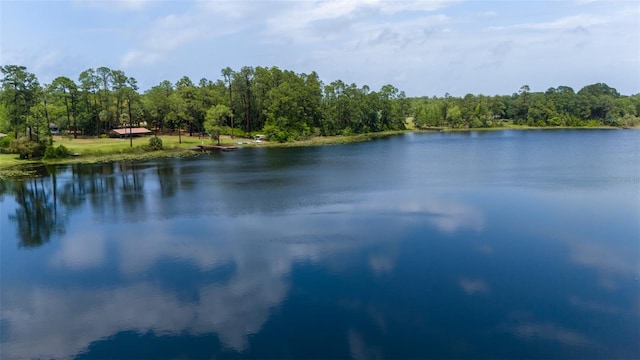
[[499, 244]]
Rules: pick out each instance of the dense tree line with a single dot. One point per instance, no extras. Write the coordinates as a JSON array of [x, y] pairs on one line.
[[593, 105], [282, 104]]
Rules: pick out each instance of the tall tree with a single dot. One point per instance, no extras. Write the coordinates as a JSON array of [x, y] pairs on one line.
[[119, 80], [69, 92], [105, 77], [131, 94], [157, 103], [245, 76], [194, 110], [89, 86], [19, 93], [227, 73]]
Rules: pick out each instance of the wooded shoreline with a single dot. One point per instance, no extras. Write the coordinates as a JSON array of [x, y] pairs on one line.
[[92, 150]]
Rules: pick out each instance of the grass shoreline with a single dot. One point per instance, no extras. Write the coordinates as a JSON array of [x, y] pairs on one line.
[[92, 150]]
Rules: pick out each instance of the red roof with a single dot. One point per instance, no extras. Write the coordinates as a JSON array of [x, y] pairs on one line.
[[134, 131]]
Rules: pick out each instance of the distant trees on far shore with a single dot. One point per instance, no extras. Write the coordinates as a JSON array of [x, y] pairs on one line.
[[593, 105], [281, 104]]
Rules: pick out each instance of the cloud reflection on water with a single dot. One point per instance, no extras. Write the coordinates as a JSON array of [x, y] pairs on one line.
[[551, 332], [474, 286], [56, 322]]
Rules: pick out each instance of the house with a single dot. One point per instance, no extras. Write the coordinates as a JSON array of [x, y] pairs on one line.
[[125, 132]]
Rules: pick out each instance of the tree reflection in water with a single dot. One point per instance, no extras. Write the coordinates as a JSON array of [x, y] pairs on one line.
[[37, 213], [45, 203]]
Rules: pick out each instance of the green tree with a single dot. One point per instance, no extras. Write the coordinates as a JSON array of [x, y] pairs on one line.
[[104, 77], [68, 90], [157, 103], [89, 88], [120, 83], [215, 119], [19, 93], [130, 93], [541, 110], [599, 101], [193, 105], [454, 116], [178, 113], [227, 73]]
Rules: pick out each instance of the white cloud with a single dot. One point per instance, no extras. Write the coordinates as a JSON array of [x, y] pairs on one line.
[[116, 5], [139, 57], [47, 60], [200, 23], [351, 21], [171, 31], [565, 23], [422, 47]]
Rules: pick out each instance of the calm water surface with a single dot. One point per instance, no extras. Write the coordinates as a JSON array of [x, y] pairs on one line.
[[501, 244]]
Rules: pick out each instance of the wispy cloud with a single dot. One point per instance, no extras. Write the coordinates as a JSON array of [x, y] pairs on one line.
[[312, 21], [139, 57], [199, 23], [565, 23], [116, 5], [422, 47]]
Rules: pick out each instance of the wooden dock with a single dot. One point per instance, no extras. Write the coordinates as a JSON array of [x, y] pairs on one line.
[[202, 148]]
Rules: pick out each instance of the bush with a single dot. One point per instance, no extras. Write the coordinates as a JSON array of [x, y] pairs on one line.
[[56, 152], [5, 142], [237, 132], [26, 148], [155, 143], [275, 133], [627, 120]]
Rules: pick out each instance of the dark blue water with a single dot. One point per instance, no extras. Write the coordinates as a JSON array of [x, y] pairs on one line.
[[501, 244]]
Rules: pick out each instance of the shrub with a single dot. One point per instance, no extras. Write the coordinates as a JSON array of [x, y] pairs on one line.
[[26, 148], [4, 143], [155, 143], [237, 132], [56, 152], [275, 133]]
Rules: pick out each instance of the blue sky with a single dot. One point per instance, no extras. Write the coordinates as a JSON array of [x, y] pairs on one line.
[[424, 47]]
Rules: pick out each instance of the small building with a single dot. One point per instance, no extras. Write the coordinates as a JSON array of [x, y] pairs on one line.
[[126, 132]]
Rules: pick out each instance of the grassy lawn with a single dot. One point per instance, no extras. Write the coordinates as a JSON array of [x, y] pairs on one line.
[[105, 146], [93, 150], [7, 160], [333, 140]]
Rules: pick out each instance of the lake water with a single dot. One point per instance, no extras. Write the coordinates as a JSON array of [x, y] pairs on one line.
[[501, 244]]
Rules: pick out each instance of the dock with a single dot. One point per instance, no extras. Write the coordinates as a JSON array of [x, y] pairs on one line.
[[202, 148]]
